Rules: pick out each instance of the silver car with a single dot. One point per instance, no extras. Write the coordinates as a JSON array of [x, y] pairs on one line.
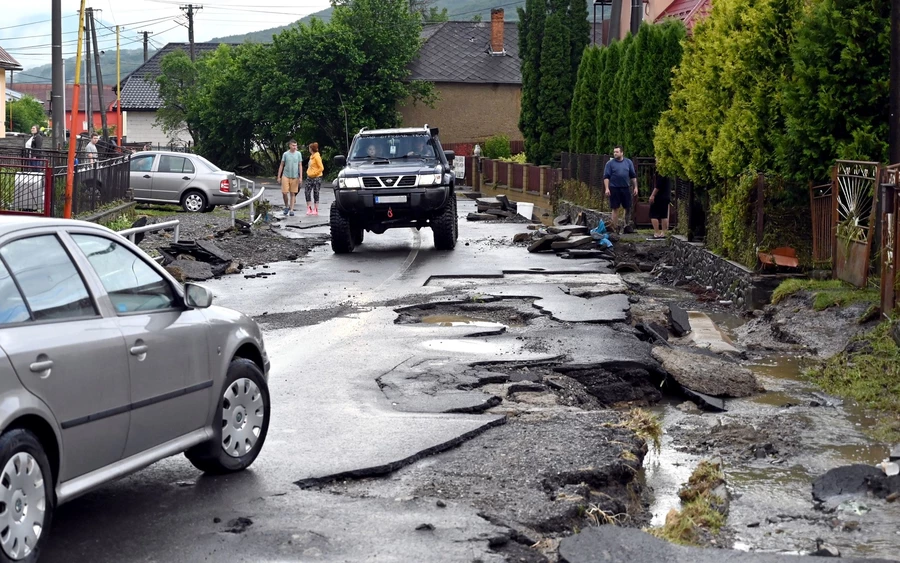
[[187, 179], [107, 365]]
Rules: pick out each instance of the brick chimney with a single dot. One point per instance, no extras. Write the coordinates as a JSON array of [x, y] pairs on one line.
[[497, 32]]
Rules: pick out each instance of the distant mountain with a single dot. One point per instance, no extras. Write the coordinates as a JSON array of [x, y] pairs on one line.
[[456, 9], [131, 59]]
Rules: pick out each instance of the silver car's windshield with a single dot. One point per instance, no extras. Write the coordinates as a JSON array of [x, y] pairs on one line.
[[392, 147]]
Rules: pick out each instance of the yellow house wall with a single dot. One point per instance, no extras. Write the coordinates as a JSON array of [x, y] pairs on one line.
[[469, 112]]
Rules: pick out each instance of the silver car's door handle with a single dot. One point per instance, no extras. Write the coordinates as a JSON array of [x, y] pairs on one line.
[[40, 367], [138, 349], [147, 176], [185, 177]]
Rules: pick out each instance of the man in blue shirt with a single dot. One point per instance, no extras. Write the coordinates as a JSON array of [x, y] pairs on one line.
[[291, 177], [618, 176]]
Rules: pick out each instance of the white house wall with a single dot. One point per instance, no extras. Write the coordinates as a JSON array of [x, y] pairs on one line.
[[140, 127]]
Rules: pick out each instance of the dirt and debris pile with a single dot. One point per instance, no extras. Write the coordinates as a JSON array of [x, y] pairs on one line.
[[707, 374], [498, 208]]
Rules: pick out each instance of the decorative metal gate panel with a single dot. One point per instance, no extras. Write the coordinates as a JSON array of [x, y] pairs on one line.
[[855, 196]]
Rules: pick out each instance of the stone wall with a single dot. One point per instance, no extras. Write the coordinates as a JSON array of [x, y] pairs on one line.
[[732, 281]]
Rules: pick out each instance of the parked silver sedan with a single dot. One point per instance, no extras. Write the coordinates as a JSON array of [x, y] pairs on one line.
[[107, 365], [187, 179]]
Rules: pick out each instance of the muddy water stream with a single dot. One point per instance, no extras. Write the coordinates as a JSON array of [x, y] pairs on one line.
[[772, 509]]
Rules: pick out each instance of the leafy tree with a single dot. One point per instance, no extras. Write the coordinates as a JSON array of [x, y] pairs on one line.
[[531, 30], [435, 15], [177, 83], [580, 30], [647, 69], [725, 114], [24, 113], [836, 98], [556, 83], [617, 118], [607, 98], [583, 123]]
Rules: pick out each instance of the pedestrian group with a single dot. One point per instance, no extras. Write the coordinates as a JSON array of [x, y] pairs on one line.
[[290, 176]]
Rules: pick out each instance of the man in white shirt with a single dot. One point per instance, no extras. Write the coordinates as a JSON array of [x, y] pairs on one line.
[[91, 149]]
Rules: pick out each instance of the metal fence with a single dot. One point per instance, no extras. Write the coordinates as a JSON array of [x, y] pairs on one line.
[[25, 186], [96, 183]]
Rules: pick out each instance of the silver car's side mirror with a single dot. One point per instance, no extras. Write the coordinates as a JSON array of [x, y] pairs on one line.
[[197, 296]]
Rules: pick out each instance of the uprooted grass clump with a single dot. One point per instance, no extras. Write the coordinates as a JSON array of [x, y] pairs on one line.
[[825, 294], [646, 425], [701, 510], [869, 373]]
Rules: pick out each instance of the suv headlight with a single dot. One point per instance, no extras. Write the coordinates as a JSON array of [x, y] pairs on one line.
[[432, 179], [348, 182]]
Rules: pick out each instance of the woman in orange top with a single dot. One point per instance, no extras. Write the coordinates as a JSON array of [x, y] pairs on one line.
[[313, 179]]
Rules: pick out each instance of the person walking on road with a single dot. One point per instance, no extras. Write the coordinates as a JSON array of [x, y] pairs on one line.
[[313, 179], [659, 207], [289, 176], [618, 176]]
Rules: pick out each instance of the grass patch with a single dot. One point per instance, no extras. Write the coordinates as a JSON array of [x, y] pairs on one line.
[[700, 508], [120, 223], [827, 293], [870, 376], [646, 425]]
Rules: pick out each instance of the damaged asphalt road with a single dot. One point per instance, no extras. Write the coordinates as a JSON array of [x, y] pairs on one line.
[[477, 428]]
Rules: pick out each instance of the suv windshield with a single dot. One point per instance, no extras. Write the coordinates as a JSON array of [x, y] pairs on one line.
[[390, 147]]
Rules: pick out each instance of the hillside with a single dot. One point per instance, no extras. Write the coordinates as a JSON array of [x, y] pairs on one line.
[[456, 9], [131, 59]]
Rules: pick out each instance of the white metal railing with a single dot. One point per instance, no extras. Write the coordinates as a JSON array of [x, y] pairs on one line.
[[129, 233], [250, 202]]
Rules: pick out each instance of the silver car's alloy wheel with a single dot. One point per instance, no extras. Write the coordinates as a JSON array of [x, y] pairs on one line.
[[243, 414], [194, 203], [22, 505]]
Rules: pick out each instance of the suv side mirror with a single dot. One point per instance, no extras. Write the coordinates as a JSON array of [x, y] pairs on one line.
[[197, 296], [450, 156], [340, 160]]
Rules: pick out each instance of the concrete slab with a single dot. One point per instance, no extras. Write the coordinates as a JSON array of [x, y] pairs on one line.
[[564, 307], [705, 334]]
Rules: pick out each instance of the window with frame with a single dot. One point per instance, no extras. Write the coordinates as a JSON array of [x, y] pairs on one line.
[[133, 285], [12, 306], [175, 165], [50, 282], [141, 163]]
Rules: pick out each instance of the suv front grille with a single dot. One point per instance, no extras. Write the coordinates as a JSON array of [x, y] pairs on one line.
[[389, 181]]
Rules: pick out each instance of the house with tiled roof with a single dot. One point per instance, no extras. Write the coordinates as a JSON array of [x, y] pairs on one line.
[[11, 64], [140, 97]]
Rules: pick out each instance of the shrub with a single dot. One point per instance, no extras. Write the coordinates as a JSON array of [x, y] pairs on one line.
[[497, 147]]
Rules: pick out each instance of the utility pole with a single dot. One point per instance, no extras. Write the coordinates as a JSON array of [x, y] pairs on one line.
[[101, 101], [57, 93], [189, 9], [88, 108], [145, 34], [894, 98], [119, 129]]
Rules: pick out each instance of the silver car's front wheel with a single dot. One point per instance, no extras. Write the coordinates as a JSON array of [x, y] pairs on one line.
[[26, 502], [243, 416], [241, 421], [194, 202]]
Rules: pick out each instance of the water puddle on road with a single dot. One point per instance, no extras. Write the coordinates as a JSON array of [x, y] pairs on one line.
[[772, 509], [461, 320]]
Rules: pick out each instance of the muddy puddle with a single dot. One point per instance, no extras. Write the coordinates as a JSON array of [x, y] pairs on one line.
[[461, 320], [773, 446]]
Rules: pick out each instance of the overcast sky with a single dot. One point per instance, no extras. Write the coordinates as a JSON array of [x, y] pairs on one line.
[[25, 26]]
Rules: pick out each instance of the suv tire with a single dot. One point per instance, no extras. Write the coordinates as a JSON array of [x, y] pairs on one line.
[[444, 225], [22, 453], [341, 232], [357, 234], [245, 389]]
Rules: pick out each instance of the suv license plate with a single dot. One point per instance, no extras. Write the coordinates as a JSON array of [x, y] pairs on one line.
[[390, 199]]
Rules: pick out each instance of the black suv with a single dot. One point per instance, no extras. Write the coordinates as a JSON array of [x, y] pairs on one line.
[[394, 178]]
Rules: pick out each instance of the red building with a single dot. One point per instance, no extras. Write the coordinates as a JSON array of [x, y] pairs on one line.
[[41, 92]]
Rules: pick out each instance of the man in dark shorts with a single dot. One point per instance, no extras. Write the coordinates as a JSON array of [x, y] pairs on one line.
[[659, 207], [618, 176]]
